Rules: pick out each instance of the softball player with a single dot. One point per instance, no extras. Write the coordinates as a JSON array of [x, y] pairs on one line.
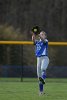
[[41, 51]]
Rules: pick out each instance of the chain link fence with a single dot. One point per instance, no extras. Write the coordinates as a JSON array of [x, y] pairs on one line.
[[18, 62]]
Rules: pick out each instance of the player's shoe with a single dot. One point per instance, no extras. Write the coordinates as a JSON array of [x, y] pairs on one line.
[[41, 93], [42, 80]]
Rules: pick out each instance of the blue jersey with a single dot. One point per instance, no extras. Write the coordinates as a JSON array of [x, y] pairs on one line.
[[41, 48]]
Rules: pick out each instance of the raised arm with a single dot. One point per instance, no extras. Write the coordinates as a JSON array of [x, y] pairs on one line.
[[33, 38]]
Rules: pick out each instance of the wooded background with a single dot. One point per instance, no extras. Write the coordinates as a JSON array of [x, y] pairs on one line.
[[50, 15]]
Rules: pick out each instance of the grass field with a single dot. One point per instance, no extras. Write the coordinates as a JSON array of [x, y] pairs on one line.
[[55, 89]]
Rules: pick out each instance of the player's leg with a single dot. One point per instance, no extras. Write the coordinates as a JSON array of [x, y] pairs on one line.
[[39, 74], [44, 65], [38, 67]]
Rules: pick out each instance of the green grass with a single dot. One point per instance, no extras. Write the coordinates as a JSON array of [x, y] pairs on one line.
[[55, 89]]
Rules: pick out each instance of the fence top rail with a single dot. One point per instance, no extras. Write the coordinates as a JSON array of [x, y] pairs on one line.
[[30, 43]]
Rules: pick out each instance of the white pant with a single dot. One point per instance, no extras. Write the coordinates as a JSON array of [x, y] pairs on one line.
[[42, 64]]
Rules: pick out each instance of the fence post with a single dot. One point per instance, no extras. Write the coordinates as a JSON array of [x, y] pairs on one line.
[[21, 61]]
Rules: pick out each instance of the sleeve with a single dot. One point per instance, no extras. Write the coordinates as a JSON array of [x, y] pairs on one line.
[[45, 41]]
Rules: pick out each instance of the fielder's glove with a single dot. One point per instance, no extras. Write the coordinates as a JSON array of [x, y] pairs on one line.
[[36, 30]]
